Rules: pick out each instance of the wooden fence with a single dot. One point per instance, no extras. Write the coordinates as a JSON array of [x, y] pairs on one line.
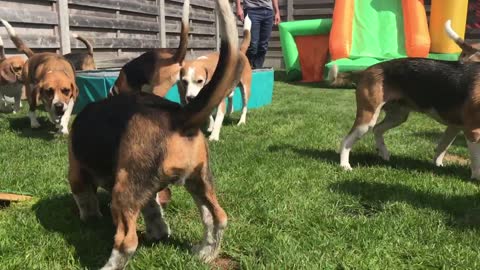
[[122, 29]]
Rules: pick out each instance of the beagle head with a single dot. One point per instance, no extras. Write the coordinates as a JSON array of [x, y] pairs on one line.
[[11, 70], [194, 76], [57, 90]]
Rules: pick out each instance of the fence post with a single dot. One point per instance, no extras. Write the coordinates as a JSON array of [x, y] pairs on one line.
[[217, 31], [161, 23], [63, 26], [289, 10]]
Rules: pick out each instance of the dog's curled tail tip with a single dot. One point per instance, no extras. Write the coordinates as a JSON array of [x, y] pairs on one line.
[[8, 26], [186, 11], [449, 30], [74, 35], [247, 23]]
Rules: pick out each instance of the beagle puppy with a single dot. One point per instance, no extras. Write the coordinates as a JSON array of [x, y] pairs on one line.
[[10, 80], [48, 77], [135, 144], [82, 60], [155, 71], [195, 74], [447, 91]]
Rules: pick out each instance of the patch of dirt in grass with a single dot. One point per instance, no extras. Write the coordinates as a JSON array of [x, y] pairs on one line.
[[225, 262], [452, 158]]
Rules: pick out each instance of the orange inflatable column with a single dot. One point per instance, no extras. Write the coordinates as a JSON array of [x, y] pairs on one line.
[[340, 42], [417, 37]]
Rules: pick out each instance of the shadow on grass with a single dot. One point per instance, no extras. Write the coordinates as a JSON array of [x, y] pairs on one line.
[[434, 136], [281, 76], [21, 125], [92, 240], [359, 159], [464, 210]]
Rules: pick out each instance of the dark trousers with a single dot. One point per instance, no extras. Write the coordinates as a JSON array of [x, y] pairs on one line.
[[262, 23]]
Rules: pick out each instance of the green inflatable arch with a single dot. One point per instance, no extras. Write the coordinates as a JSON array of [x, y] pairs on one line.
[[288, 32]]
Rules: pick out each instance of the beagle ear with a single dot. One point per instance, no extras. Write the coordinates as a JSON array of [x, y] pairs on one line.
[[7, 74], [74, 90]]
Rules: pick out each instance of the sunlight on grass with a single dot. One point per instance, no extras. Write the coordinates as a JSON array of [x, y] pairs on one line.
[[290, 206]]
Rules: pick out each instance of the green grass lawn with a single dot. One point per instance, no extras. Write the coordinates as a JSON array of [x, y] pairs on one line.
[[290, 205]]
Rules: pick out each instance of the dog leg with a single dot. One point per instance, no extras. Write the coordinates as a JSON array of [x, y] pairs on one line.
[[32, 102], [445, 141], [211, 124], [365, 120], [83, 190], [125, 211], [218, 122], [395, 116], [474, 149], [230, 105], [63, 128], [213, 216], [18, 102], [243, 117], [157, 228]]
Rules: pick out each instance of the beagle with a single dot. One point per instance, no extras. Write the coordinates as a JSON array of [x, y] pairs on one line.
[[50, 78], [10, 80], [194, 74], [155, 71], [447, 91], [82, 60], [135, 144]]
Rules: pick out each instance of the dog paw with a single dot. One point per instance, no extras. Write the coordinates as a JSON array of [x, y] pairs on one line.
[[241, 122], [213, 138], [206, 253], [384, 155], [346, 167]]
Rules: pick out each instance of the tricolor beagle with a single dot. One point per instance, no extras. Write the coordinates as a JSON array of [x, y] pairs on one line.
[[82, 60], [50, 78], [194, 74], [135, 144]]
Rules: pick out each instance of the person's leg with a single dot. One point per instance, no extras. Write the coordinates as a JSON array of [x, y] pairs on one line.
[[256, 19], [265, 31]]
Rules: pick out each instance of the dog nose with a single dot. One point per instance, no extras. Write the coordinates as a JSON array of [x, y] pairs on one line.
[[190, 98], [58, 108]]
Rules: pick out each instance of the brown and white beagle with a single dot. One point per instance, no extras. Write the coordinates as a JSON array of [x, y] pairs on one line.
[[155, 71], [447, 91], [48, 77], [135, 144], [82, 60], [194, 74], [10, 80]]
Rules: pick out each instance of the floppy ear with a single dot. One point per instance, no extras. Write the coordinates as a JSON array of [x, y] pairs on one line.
[[74, 90], [7, 74], [206, 76]]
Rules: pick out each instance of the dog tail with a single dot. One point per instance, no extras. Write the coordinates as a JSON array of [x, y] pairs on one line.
[[2, 50], [182, 47], [247, 25], [338, 79], [455, 37], [21, 46], [225, 77], [84, 41]]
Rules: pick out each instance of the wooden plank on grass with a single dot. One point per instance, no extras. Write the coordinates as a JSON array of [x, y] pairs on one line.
[[11, 197]]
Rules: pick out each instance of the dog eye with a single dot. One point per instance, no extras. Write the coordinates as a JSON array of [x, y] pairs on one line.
[[17, 68], [199, 81], [48, 92], [65, 91], [185, 82]]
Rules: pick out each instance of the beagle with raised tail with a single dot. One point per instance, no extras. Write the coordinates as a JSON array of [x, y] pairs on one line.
[[82, 60], [155, 71], [447, 91], [135, 144], [194, 74], [48, 77]]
